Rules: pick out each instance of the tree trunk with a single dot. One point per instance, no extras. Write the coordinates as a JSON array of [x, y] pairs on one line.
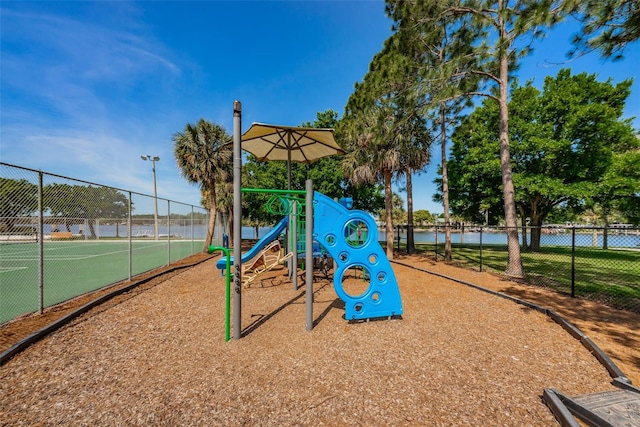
[[514, 262], [445, 185], [230, 225], [411, 247], [605, 231], [92, 229], [388, 205], [536, 231], [212, 221], [523, 225]]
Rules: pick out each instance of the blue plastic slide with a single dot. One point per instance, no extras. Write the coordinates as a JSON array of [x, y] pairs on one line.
[[260, 244]]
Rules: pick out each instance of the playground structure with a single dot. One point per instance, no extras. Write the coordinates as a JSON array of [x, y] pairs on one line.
[[263, 256], [349, 236], [270, 257]]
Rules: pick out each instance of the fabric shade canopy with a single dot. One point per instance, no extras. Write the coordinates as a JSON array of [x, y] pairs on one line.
[[290, 144]]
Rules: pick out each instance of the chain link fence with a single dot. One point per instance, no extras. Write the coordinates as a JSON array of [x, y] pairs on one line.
[[595, 263], [61, 237]]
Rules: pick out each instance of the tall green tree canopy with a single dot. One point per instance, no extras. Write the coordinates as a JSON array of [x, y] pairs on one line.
[[625, 174], [493, 36], [18, 197], [436, 60], [73, 202], [607, 25], [565, 140], [386, 136]]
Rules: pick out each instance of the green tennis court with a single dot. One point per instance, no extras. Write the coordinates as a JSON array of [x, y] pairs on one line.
[[72, 268]]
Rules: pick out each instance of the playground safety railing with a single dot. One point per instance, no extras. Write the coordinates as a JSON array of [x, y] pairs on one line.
[[62, 237]]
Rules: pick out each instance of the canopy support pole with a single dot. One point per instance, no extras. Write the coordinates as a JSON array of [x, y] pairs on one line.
[[237, 220], [309, 253], [293, 225]]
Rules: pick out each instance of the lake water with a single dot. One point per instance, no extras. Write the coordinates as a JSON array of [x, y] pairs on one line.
[[630, 240], [582, 239]]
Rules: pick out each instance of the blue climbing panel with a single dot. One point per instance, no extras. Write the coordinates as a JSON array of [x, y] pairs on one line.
[[351, 237]]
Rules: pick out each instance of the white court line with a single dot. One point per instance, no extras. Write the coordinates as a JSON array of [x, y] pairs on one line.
[[79, 258], [10, 269]]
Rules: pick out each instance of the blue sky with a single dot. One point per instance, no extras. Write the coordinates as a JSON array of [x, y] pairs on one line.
[[88, 87]]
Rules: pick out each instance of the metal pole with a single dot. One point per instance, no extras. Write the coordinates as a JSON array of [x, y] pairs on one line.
[[436, 251], [573, 261], [192, 231], [293, 223], [288, 160], [40, 247], [309, 253], [129, 233], [227, 316], [155, 198], [237, 220], [480, 249], [155, 190], [168, 232], [289, 168]]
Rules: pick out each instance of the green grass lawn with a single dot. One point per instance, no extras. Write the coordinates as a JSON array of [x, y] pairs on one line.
[[611, 275]]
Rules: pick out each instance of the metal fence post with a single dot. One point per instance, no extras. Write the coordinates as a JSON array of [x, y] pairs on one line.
[[481, 249], [192, 232], [436, 247], [130, 234], [40, 246], [573, 261], [168, 232]]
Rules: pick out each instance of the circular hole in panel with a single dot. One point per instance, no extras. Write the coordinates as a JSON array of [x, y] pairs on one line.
[[382, 277], [358, 307], [373, 258], [344, 256], [356, 281], [330, 239], [356, 233], [375, 297]]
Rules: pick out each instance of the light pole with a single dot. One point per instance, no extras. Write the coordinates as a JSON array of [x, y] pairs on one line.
[[155, 192]]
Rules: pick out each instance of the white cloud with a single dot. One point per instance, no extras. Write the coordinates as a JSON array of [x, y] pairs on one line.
[[70, 89], [67, 68]]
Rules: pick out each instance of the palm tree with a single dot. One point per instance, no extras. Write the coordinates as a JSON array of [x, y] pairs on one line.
[[416, 140], [388, 136], [224, 195], [384, 145], [204, 154]]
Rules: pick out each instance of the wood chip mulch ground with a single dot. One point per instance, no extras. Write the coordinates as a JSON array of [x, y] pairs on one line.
[[458, 356]]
